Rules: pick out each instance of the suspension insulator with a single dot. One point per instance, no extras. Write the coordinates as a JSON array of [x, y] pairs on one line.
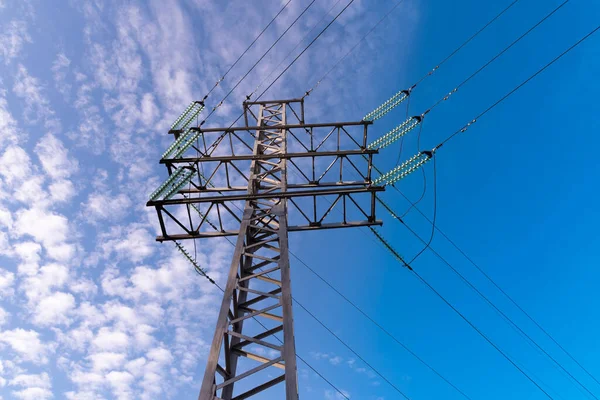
[[172, 185], [187, 116], [388, 106], [396, 133], [404, 169]]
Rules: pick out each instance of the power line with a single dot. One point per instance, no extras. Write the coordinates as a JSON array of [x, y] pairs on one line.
[[481, 333], [497, 56], [434, 214], [295, 59], [379, 326], [494, 283], [465, 43], [245, 51], [307, 47], [412, 122], [420, 159], [402, 95], [352, 350], [308, 92], [258, 61], [202, 272], [485, 298], [401, 261], [295, 47], [464, 128]]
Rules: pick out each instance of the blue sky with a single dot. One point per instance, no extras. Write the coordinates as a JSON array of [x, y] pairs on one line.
[[91, 307]]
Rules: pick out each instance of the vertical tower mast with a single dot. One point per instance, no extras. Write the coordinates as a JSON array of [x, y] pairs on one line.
[[261, 254]]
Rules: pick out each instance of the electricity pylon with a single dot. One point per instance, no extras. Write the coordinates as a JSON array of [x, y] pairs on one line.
[[200, 198]]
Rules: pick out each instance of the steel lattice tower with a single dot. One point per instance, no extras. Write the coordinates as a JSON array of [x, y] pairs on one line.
[[255, 330]]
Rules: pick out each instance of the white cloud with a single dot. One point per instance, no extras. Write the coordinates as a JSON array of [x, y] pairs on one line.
[[29, 252], [106, 361], [334, 395], [8, 125], [62, 191], [27, 344], [105, 206], [55, 158], [60, 67], [33, 394], [7, 280], [85, 287], [35, 387], [37, 105], [15, 165], [55, 309], [41, 380], [91, 132], [133, 242], [111, 340], [120, 382], [48, 228], [39, 285], [4, 315], [12, 37]]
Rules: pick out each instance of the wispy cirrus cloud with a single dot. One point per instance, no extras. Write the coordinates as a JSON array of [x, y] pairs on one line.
[[116, 314]]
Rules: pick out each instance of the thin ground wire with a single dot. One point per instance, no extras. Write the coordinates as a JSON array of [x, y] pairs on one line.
[[339, 339], [519, 86], [258, 61], [446, 97], [307, 47], [274, 335], [420, 198], [245, 51], [407, 265], [308, 92], [511, 323], [461, 46]]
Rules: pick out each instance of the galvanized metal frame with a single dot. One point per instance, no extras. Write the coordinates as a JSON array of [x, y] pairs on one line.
[[252, 164]]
